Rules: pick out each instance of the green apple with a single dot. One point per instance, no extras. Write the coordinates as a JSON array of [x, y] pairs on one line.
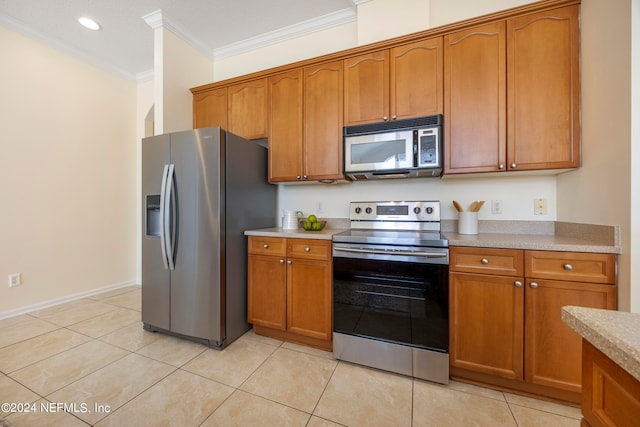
[[312, 218]]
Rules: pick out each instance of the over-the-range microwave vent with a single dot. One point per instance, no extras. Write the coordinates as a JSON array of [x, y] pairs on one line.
[[416, 122]]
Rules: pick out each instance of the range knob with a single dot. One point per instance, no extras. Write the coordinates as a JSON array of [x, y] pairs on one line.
[[358, 209], [429, 210], [416, 210], [368, 210]]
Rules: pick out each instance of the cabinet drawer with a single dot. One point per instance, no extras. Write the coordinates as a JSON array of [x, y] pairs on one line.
[[504, 262], [572, 266], [309, 249], [259, 245]]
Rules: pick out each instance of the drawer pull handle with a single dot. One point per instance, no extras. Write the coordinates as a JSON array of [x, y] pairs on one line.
[[265, 246], [533, 285], [518, 284], [307, 249], [484, 261], [568, 267]]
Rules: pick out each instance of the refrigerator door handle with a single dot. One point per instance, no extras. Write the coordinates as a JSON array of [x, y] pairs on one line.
[[170, 218], [163, 215]]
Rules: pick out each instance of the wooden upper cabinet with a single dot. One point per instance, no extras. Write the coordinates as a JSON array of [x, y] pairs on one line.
[[397, 83], [210, 108], [285, 126], [305, 132], [247, 109], [366, 88], [416, 79], [543, 86], [323, 121], [475, 99]]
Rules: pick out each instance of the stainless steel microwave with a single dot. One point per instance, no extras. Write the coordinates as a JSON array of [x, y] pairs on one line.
[[396, 149]]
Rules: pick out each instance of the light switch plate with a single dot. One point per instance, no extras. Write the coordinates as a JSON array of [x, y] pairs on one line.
[[540, 206]]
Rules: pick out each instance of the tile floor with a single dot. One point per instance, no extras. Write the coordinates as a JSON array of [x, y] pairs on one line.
[[89, 362]]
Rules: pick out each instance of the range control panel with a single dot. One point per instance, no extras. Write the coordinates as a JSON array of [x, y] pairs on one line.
[[395, 211]]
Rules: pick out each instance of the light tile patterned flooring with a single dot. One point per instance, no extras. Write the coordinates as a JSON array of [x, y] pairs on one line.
[[92, 357]]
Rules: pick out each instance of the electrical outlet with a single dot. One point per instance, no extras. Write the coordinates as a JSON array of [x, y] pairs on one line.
[[496, 207], [539, 206], [15, 280]]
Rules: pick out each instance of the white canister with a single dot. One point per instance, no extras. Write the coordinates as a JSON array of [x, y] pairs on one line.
[[468, 222], [290, 219]]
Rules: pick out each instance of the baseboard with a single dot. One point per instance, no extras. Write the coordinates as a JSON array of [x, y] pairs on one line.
[[68, 298]]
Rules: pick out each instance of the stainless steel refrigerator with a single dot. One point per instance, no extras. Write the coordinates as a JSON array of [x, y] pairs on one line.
[[201, 190]]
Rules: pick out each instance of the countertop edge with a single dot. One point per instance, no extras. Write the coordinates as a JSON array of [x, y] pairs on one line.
[[587, 322], [325, 234]]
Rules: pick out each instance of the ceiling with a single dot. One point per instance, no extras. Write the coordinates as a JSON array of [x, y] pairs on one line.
[[125, 42]]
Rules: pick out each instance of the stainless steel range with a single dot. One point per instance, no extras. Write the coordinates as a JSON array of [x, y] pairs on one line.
[[391, 289]]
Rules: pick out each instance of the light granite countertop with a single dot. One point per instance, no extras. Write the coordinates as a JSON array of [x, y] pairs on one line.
[[324, 234], [531, 242], [615, 333], [532, 235]]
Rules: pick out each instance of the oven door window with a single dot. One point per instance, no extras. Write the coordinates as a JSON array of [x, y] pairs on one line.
[[400, 302]]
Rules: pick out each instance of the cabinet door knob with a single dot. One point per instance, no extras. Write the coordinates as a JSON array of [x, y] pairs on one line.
[[394, 117], [305, 176], [501, 166], [533, 285], [518, 284], [513, 166], [289, 261], [385, 118], [307, 249], [568, 267], [484, 261], [281, 261], [297, 176], [265, 246]]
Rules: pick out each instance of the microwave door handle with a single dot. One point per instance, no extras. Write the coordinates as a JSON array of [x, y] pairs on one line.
[[391, 174]]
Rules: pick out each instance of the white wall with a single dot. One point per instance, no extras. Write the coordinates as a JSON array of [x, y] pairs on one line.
[[67, 181], [600, 192], [183, 67], [309, 46], [399, 18]]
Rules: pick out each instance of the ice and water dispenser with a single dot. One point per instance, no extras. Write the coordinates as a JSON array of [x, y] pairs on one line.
[[154, 221]]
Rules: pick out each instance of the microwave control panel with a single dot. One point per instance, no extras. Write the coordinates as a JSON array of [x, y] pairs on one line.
[[427, 147]]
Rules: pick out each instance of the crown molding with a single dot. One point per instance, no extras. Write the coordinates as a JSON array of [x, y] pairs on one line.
[[157, 19], [26, 30], [297, 30]]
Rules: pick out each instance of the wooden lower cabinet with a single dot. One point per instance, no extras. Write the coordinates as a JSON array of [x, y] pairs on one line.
[[611, 396], [289, 289], [506, 328], [486, 315]]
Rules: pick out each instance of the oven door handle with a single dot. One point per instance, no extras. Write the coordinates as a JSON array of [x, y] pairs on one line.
[[399, 253]]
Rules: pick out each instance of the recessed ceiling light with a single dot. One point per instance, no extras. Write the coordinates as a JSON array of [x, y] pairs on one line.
[[89, 23]]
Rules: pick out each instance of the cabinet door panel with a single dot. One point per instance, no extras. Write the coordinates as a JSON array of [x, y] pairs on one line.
[[323, 118], [486, 324], [285, 126], [366, 88], [553, 349], [543, 87], [247, 109], [267, 291], [416, 79], [475, 99], [210, 109], [309, 298]]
